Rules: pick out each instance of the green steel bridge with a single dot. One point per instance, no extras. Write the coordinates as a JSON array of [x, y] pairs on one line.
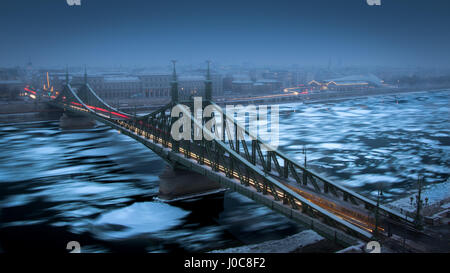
[[242, 162]]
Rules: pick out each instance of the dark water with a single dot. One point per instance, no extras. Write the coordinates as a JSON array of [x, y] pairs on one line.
[[378, 141], [98, 187]]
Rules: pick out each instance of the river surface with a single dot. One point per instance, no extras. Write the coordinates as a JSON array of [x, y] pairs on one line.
[[98, 187]]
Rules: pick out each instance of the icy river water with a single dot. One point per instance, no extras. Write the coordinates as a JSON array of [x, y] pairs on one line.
[[98, 187]]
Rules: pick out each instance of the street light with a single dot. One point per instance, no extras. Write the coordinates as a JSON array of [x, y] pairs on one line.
[[380, 194], [418, 220]]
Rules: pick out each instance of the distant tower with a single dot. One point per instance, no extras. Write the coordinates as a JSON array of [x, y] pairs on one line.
[[29, 64], [174, 84], [29, 69], [208, 84]]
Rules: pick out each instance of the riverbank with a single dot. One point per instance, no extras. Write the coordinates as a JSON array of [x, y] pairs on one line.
[[24, 117], [436, 204], [26, 111], [306, 241], [347, 96]]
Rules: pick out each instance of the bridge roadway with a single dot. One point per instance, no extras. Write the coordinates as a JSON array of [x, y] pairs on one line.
[[335, 212]]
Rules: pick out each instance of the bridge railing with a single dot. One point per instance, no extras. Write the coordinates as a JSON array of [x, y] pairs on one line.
[[221, 158], [231, 156], [237, 161], [285, 168]]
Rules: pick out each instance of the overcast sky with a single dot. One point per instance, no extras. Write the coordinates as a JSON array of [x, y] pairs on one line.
[[149, 32]]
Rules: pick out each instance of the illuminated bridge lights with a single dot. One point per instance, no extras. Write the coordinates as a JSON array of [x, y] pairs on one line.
[[326, 205], [101, 110], [276, 192]]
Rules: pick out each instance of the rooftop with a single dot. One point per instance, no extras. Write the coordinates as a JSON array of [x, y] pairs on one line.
[[357, 79], [191, 78], [11, 82], [242, 82], [267, 81], [121, 79]]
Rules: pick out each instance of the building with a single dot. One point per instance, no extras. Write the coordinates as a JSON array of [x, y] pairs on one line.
[[286, 78], [123, 87], [192, 85], [158, 85], [227, 83], [245, 87], [348, 83], [242, 86], [267, 86], [155, 85], [10, 89], [111, 86], [11, 84]]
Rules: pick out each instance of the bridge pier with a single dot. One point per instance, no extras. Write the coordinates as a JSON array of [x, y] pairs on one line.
[[47, 111], [177, 184], [72, 121]]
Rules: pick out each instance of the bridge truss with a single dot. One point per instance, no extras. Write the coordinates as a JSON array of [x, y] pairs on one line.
[[243, 160]]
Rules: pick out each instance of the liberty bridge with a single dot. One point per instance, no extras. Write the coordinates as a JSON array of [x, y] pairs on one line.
[[242, 162]]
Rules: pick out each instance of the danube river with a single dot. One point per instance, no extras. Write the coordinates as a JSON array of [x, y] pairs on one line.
[[98, 187]]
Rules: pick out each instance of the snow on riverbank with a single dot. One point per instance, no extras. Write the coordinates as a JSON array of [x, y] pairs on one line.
[[438, 197], [286, 245]]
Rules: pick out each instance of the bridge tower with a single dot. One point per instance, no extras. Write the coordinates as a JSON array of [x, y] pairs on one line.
[[85, 76], [208, 84], [67, 75], [70, 120], [179, 182], [174, 96], [174, 84]]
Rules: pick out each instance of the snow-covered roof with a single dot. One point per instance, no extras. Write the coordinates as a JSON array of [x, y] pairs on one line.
[[357, 79], [242, 82], [337, 82], [268, 81], [152, 73]]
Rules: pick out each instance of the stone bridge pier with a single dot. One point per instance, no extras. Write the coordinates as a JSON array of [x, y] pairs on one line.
[[177, 183], [73, 121]]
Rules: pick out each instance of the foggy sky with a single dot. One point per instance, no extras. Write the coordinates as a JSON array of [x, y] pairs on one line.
[[147, 32]]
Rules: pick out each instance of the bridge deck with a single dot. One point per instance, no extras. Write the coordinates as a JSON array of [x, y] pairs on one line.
[[311, 194]]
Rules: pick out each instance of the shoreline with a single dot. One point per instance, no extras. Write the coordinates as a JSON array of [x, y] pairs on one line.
[[39, 116], [395, 92], [347, 96]]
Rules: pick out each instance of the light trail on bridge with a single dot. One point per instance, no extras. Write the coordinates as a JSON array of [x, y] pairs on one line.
[[323, 203], [330, 210], [102, 110]]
